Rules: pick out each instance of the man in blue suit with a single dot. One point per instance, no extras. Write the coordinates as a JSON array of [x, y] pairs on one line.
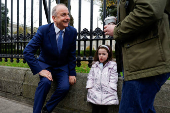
[[57, 59]]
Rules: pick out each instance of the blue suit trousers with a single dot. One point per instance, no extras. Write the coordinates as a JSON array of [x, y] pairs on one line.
[[62, 79]]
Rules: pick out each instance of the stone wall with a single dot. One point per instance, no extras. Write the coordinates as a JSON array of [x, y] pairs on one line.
[[19, 84]]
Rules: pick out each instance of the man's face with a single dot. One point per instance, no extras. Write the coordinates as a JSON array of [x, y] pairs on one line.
[[62, 18]]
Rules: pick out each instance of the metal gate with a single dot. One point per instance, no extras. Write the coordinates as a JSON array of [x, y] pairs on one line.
[[12, 45]]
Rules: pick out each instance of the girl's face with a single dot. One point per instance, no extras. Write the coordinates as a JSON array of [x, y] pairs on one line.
[[103, 55]]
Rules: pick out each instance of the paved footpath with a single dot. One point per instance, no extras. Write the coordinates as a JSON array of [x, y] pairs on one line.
[[11, 106]]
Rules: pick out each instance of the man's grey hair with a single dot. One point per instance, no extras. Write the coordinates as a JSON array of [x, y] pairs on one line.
[[54, 10]]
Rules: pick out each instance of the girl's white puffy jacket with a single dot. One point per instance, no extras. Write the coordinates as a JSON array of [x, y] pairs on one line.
[[102, 84]]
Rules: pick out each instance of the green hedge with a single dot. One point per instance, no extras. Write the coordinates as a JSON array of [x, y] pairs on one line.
[[81, 52], [14, 51], [88, 53]]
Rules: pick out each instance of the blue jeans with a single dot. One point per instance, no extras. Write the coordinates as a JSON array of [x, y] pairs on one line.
[[138, 95]]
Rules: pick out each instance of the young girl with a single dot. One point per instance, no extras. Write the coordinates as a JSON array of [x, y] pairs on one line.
[[102, 81]]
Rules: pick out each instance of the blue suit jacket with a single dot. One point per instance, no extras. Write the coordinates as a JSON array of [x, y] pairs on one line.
[[45, 39]]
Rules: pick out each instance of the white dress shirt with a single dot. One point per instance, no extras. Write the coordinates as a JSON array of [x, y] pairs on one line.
[[57, 30]]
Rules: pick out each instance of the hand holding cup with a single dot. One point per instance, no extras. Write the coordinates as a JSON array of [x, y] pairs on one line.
[[111, 20], [110, 25]]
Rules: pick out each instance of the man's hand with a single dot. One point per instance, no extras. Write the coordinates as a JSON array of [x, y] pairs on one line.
[[47, 74], [109, 29], [72, 80]]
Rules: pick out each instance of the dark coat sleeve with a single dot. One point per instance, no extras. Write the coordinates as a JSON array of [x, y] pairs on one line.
[[31, 49], [143, 15], [72, 55]]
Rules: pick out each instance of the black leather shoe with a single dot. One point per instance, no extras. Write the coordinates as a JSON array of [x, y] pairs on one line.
[[44, 110]]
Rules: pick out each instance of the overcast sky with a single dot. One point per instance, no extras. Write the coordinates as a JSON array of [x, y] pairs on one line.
[[74, 12]]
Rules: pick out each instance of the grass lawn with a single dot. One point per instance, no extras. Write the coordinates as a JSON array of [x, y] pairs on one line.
[[82, 69], [14, 63]]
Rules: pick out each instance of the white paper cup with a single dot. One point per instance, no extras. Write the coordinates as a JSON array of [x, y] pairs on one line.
[[110, 20]]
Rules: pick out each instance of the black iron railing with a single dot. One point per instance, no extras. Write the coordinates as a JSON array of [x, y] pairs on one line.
[[12, 46]]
